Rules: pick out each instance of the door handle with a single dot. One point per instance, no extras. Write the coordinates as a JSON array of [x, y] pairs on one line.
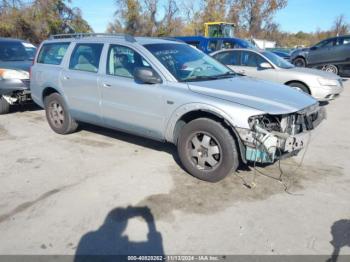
[[107, 85], [66, 77]]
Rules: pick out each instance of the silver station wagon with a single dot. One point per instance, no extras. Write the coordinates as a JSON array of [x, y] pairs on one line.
[[168, 91]]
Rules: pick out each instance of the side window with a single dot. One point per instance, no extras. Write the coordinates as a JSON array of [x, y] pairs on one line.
[[86, 57], [329, 43], [52, 53], [228, 58], [194, 43], [212, 45], [325, 43], [346, 40], [251, 59], [226, 45], [122, 61], [229, 45]]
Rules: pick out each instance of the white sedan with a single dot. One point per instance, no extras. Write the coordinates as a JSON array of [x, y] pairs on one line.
[[268, 66]]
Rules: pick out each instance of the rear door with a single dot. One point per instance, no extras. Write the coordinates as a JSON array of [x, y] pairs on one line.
[[230, 59], [342, 49], [126, 104], [80, 81]]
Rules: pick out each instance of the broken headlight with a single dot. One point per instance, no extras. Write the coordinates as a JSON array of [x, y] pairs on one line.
[[267, 122]]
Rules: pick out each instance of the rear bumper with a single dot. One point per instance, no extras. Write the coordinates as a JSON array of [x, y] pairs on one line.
[[10, 86]]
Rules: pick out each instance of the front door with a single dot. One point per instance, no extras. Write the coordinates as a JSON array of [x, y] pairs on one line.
[[126, 104], [250, 66], [322, 53]]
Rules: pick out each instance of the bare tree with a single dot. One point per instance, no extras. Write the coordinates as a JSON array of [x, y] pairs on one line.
[[254, 15], [139, 17], [214, 10], [340, 26], [36, 20]]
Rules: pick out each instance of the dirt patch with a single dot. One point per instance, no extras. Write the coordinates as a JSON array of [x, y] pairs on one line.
[[4, 134], [38, 119], [33, 117], [90, 142], [27, 160], [191, 195], [27, 205], [3, 131]]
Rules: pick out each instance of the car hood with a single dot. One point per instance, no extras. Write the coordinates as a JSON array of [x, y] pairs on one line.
[[314, 72], [258, 94], [16, 65], [305, 49]]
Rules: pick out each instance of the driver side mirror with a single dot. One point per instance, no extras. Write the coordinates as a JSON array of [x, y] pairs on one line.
[[265, 65], [146, 75], [313, 48]]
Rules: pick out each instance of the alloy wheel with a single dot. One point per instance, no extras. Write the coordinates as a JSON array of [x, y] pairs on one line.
[[56, 114], [204, 151], [330, 68]]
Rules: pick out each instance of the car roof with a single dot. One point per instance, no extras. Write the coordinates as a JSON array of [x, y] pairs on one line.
[[9, 39], [105, 38], [209, 38], [240, 49]]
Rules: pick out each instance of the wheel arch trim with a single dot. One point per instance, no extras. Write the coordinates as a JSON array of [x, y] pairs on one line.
[[179, 113], [299, 82]]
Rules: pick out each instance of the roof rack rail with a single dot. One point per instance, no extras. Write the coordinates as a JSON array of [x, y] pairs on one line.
[[127, 37], [172, 39]]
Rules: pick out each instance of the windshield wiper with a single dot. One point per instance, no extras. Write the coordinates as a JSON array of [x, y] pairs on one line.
[[228, 74], [214, 77], [199, 78]]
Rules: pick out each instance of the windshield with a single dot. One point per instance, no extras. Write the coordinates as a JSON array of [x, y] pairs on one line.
[[13, 51], [30, 49], [228, 30], [278, 61], [186, 63]]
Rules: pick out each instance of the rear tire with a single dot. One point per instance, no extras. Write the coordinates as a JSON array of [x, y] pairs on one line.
[[299, 62], [58, 116], [331, 68], [4, 106], [300, 86], [207, 150]]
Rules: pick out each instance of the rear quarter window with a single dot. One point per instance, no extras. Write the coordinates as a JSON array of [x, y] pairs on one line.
[[86, 57], [52, 53]]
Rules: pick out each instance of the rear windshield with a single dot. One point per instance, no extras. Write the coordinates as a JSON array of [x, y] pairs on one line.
[[13, 51], [52, 53]]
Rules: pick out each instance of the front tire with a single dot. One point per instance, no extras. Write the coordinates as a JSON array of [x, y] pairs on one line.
[[207, 150], [300, 86], [58, 116], [4, 106], [299, 62]]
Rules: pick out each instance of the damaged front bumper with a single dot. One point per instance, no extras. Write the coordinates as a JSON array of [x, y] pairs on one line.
[[15, 91], [275, 137]]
